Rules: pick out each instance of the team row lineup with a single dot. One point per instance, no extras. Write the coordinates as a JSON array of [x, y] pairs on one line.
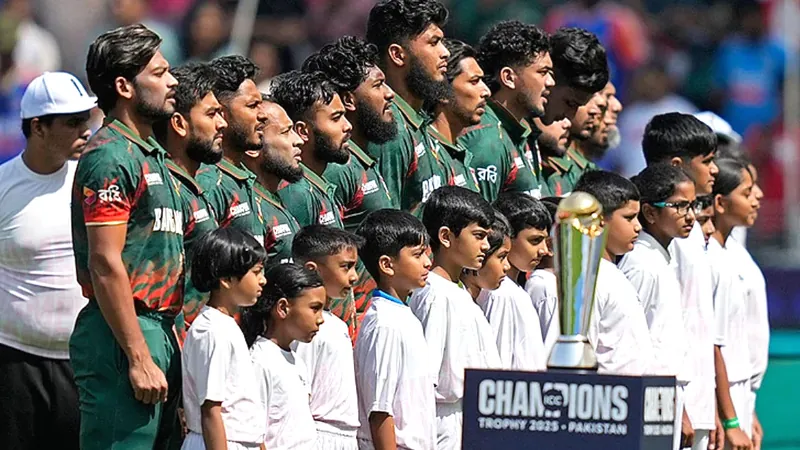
[[315, 266]]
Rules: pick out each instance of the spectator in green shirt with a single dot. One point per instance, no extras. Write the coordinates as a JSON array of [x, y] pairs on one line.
[[352, 66], [519, 72], [277, 161], [464, 106], [412, 55], [193, 136]]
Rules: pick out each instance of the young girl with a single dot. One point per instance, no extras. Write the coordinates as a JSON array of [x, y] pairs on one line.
[[220, 394], [734, 205], [506, 305], [668, 210], [290, 309]]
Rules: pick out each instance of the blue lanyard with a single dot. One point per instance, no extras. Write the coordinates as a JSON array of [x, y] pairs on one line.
[[391, 298]]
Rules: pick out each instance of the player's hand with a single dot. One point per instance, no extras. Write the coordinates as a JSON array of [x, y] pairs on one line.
[[716, 439], [148, 381], [737, 440], [687, 431], [758, 433]]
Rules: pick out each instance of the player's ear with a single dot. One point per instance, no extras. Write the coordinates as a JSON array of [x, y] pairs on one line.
[[349, 101], [508, 77], [445, 236], [386, 265], [397, 55], [123, 87], [179, 124], [302, 130]]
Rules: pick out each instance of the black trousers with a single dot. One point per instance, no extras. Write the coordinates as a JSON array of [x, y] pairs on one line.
[[38, 402]]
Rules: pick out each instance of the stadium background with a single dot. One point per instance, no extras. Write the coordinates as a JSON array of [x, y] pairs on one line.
[[735, 57]]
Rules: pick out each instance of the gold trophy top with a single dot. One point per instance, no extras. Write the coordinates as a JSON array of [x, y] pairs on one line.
[[583, 212]]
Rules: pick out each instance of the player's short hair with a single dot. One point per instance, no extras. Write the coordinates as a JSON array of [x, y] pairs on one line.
[[299, 91], [345, 62], [657, 182], [459, 51], [314, 242], [498, 233], [195, 81], [579, 60], [729, 176], [399, 21], [675, 134], [510, 43], [523, 212], [612, 190], [224, 253], [231, 72], [387, 231], [456, 208], [122, 52]]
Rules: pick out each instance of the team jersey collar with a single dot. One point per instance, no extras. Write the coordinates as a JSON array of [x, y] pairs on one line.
[[415, 118], [517, 129], [356, 151], [267, 195], [575, 155], [315, 179], [559, 164], [186, 179], [239, 173], [455, 149], [384, 295], [149, 146]]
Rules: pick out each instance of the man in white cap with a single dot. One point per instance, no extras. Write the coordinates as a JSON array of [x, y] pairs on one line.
[[39, 293]]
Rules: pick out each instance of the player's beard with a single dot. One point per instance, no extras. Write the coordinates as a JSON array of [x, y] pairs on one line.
[[371, 123], [150, 110], [280, 168], [422, 85], [530, 106], [614, 138], [203, 151], [326, 150], [548, 146], [239, 136]]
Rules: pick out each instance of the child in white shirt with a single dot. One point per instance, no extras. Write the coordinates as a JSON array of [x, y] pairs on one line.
[[457, 333], [542, 287], [396, 389], [333, 254], [289, 309], [220, 391]]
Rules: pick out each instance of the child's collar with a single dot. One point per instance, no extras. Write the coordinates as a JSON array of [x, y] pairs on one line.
[[384, 295]]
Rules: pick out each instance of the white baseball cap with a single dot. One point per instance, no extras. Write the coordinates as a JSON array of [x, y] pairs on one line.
[[55, 93], [719, 125]]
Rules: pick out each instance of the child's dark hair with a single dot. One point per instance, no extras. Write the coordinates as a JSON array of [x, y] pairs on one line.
[[729, 176], [658, 182], [613, 191], [705, 201], [678, 135], [551, 203], [456, 208], [500, 230], [388, 231], [318, 241], [523, 212], [283, 281], [224, 253]]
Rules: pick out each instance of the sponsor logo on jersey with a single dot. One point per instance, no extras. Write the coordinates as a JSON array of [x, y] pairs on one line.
[[430, 185], [242, 209], [488, 173], [419, 150], [327, 218], [109, 194], [460, 180], [518, 161], [153, 179], [168, 220], [281, 230], [370, 187], [201, 215]]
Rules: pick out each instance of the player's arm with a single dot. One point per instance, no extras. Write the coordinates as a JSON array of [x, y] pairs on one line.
[[113, 293], [734, 436], [381, 425], [213, 428]]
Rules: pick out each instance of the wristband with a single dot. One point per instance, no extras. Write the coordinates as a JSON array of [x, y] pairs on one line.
[[731, 423]]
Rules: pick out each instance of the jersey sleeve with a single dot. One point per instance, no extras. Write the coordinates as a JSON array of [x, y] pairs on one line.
[[108, 185], [298, 201], [489, 159], [346, 181], [394, 161], [380, 370], [209, 361], [208, 178]]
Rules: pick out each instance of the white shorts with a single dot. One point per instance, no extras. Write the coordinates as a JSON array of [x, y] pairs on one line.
[[331, 438], [194, 441], [701, 438], [449, 425]]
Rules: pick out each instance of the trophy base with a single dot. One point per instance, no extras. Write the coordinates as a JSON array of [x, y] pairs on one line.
[[572, 353]]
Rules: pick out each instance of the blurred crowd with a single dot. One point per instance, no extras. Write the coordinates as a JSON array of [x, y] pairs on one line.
[[727, 56]]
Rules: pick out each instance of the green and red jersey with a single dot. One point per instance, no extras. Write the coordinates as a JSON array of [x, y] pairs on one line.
[[229, 190], [360, 187], [311, 200], [502, 156], [123, 179], [457, 161], [559, 173], [280, 226]]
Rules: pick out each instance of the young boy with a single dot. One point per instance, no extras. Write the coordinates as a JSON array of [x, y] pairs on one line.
[[542, 287], [329, 357], [618, 329], [457, 333], [396, 392], [220, 390]]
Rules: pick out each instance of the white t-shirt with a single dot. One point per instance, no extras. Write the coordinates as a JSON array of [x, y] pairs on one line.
[[689, 259], [457, 333], [217, 368], [39, 293], [647, 268], [618, 329], [757, 313], [286, 393], [730, 312], [516, 325], [542, 287], [393, 374], [329, 360]]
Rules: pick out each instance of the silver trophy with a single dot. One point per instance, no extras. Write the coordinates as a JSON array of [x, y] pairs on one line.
[[579, 241]]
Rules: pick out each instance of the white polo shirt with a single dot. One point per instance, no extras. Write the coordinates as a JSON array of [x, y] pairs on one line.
[[542, 287], [757, 313], [692, 267], [516, 326], [393, 374], [647, 268]]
